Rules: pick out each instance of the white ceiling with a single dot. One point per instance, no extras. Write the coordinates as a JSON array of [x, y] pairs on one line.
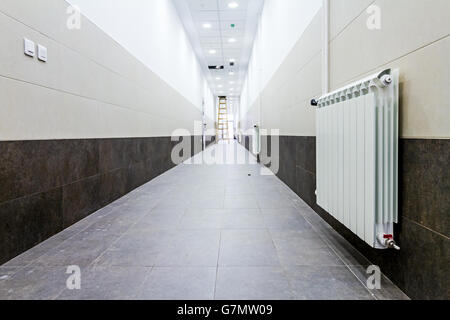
[[195, 13]]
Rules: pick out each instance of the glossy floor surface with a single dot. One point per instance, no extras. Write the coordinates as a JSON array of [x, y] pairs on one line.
[[209, 230]]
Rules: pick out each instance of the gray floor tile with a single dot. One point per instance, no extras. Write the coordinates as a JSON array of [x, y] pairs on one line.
[[343, 249], [303, 248], [274, 201], [31, 255], [34, 283], [132, 257], [240, 202], [150, 241], [242, 211], [326, 283], [193, 248], [252, 283], [173, 202], [239, 190], [161, 219], [297, 238], [289, 219], [7, 272], [305, 256], [206, 190], [247, 248], [179, 284], [243, 221], [50, 244], [109, 283], [207, 202], [113, 224], [81, 250], [201, 219]]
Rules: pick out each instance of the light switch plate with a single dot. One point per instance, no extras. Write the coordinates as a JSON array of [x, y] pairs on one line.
[[29, 47], [42, 53]]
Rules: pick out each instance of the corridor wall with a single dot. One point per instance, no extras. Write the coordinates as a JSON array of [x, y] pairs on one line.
[[89, 125], [417, 45]]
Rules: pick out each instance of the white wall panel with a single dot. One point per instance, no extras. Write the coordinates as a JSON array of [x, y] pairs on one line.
[[87, 67]]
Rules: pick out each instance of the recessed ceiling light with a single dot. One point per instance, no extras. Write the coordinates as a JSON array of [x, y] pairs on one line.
[[233, 5], [231, 82], [232, 40], [207, 25], [220, 86], [212, 51], [232, 60], [218, 78]]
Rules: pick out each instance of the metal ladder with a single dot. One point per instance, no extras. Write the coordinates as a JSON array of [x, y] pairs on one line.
[[223, 132]]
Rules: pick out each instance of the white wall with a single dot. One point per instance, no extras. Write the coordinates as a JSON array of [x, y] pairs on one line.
[[414, 37], [153, 33], [209, 105], [281, 24], [91, 86]]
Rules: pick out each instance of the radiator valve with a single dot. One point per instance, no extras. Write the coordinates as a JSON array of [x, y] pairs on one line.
[[387, 240]]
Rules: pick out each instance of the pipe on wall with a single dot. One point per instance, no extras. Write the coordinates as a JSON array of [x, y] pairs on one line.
[[326, 47]]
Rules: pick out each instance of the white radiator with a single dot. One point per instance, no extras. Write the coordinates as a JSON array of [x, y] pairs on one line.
[[357, 157]]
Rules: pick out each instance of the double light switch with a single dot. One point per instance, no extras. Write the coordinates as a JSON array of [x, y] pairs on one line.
[[30, 50]]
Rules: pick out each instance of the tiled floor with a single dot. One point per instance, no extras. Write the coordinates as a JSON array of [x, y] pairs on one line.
[[220, 231]]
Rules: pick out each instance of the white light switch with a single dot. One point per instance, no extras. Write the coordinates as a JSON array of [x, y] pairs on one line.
[[42, 53], [29, 47]]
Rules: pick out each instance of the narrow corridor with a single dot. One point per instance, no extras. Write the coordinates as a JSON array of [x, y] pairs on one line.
[[220, 231]]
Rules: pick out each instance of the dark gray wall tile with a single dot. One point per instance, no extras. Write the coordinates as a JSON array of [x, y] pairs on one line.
[[288, 152], [115, 154], [306, 153], [425, 181], [306, 185], [27, 221], [113, 185], [80, 199], [210, 140], [28, 167]]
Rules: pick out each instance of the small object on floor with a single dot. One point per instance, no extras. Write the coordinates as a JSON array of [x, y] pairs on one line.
[[249, 174]]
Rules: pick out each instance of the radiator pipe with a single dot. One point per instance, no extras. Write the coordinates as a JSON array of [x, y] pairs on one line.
[[326, 47], [388, 241]]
